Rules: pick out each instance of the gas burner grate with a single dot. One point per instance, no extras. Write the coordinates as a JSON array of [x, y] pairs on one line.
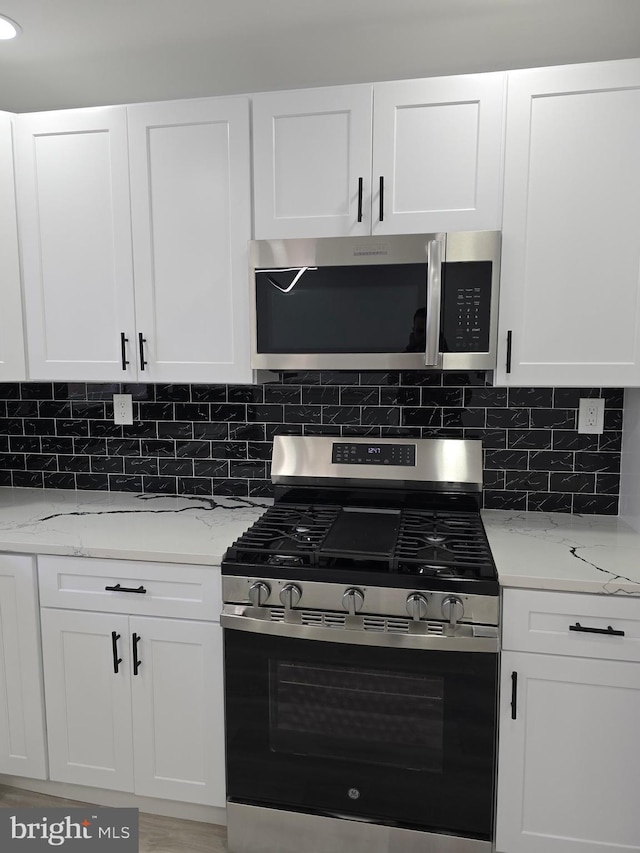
[[286, 535], [444, 545], [433, 543]]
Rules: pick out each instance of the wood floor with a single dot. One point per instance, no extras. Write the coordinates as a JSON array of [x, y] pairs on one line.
[[157, 834]]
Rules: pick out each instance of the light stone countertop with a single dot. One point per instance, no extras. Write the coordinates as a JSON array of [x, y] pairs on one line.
[[160, 528], [534, 550], [555, 551]]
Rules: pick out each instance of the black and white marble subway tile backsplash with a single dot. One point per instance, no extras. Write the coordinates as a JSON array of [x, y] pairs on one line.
[[216, 439]]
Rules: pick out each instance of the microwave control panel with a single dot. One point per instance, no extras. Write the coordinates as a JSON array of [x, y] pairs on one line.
[[466, 307]]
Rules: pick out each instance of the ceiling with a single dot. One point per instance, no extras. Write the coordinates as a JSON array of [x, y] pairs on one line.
[[92, 52]]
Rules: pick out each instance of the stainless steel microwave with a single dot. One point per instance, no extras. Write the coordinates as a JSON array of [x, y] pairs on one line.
[[410, 301]]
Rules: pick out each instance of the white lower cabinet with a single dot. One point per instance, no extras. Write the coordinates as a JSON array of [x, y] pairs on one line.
[[88, 703], [134, 703], [177, 710], [569, 751], [22, 731]]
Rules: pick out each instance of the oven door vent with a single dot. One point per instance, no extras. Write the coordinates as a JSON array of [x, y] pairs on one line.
[[318, 618], [398, 625], [386, 624], [378, 624], [323, 618]]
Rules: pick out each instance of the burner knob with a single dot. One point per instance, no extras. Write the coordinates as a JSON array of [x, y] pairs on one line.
[[290, 595], [452, 609], [259, 592], [352, 600], [417, 606]]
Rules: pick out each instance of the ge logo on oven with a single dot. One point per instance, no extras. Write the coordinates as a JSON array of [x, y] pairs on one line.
[[354, 793]]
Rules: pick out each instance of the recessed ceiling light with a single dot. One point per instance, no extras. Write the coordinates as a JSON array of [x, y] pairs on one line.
[[8, 28]]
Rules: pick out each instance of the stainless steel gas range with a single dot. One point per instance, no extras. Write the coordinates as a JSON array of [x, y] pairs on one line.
[[360, 621]]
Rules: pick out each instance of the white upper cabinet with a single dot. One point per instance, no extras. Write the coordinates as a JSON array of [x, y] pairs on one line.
[[75, 228], [431, 160], [12, 365], [312, 162], [191, 218], [570, 280], [437, 154], [169, 305]]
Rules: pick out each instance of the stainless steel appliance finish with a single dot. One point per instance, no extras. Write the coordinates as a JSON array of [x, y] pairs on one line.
[[335, 628], [440, 464], [254, 828], [435, 251], [361, 623], [328, 597]]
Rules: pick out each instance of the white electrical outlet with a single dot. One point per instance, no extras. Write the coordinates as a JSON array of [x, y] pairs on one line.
[[122, 409], [591, 415]]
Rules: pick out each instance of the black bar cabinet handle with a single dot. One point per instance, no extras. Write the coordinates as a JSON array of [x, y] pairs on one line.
[[124, 340], [381, 198], [114, 647], [514, 695], [141, 342], [136, 663], [117, 588], [509, 351], [360, 186], [609, 631]]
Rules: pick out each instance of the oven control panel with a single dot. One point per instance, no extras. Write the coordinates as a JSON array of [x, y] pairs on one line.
[[312, 598], [371, 453]]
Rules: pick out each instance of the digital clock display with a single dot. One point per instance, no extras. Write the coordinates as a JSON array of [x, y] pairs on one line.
[[348, 453]]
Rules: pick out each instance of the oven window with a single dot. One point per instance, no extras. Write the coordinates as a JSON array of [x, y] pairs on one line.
[[372, 716]]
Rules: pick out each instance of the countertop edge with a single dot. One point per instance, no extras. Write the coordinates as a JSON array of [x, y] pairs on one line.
[[581, 586], [210, 560]]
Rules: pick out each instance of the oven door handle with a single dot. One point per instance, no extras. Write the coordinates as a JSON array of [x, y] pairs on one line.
[[484, 640]]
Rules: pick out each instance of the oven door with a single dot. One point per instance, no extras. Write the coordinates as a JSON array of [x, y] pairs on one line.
[[402, 736]]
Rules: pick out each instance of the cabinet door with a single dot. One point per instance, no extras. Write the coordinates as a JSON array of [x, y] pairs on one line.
[[570, 281], [178, 710], [312, 162], [22, 737], [88, 704], [75, 226], [11, 337], [191, 215], [569, 764], [437, 149]]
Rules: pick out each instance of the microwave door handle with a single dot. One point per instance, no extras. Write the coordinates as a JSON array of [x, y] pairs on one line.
[[434, 296]]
